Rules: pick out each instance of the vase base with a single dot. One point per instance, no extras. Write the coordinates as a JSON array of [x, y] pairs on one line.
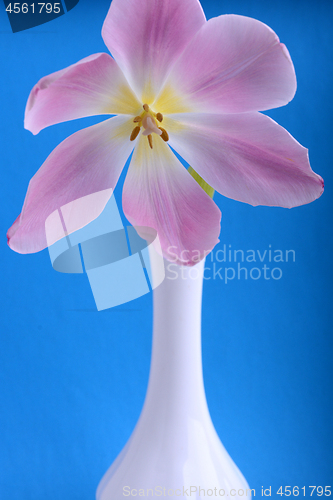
[[192, 465]]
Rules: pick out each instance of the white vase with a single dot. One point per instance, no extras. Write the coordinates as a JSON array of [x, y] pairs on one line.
[[174, 449]]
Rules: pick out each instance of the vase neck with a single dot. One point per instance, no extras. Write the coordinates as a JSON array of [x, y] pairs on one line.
[[176, 365]]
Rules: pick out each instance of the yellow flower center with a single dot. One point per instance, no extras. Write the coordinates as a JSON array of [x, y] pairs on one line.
[[149, 121]]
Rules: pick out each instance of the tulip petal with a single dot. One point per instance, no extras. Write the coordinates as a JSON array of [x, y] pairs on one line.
[[160, 193], [247, 157], [147, 36], [93, 86], [234, 64], [87, 162]]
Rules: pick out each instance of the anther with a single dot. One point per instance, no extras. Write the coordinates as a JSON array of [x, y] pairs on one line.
[[159, 117], [164, 135], [146, 107], [134, 133], [150, 140], [137, 119]]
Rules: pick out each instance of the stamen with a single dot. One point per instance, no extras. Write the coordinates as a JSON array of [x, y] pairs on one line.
[[164, 135], [148, 120], [134, 133]]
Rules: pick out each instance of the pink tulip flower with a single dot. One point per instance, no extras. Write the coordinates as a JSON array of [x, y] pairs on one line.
[[176, 80]]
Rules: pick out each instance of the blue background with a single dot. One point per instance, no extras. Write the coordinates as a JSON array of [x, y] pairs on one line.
[[72, 380]]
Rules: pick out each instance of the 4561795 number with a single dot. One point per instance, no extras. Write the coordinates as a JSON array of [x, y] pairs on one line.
[[295, 491], [34, 8]]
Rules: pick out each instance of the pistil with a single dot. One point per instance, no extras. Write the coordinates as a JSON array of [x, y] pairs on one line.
[[148, 120]]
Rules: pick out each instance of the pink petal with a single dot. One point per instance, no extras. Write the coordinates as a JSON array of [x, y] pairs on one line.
[[93, 86], [146, 37], [234, 64], [87, 162], [247, 157], [160, 193]]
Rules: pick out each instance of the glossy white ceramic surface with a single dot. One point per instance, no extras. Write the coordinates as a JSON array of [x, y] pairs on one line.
[[174, 449]]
